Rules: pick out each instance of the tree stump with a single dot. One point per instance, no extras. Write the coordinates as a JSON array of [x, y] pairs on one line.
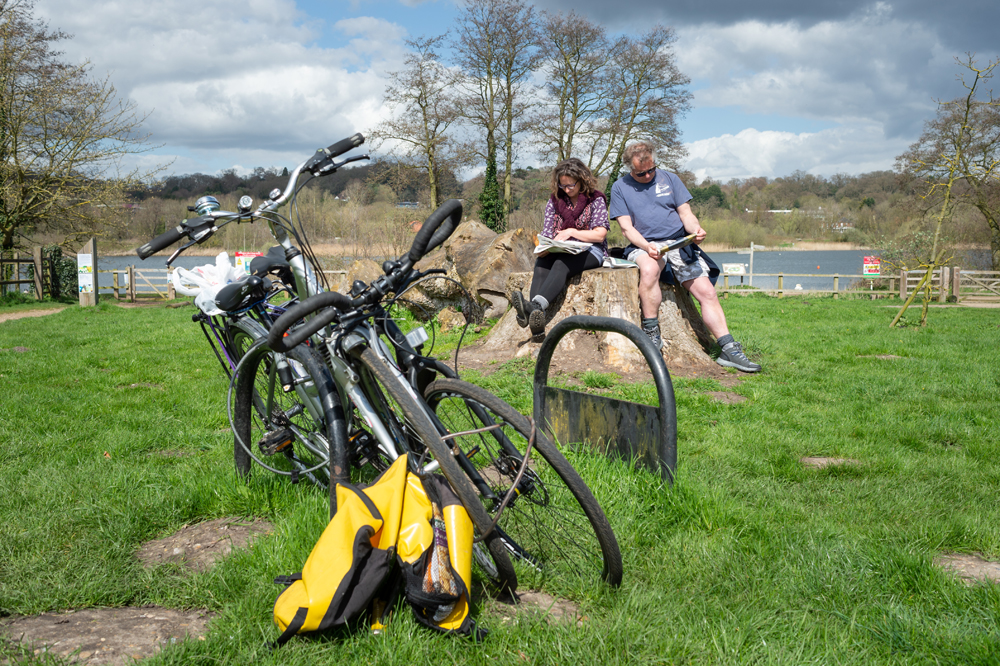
[[608, 292]]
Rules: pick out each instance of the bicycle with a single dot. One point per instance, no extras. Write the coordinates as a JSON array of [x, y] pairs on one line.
[[330, 398], [278, 279], [542, 511]]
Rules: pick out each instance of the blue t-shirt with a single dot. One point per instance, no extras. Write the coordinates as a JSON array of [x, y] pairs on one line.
[[652, 206]]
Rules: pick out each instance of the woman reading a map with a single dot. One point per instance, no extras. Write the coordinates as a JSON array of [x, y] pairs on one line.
[[575, 215]]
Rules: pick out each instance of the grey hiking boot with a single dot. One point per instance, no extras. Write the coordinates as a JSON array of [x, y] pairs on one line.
[[654, 335], [522, 308], [536, 319], [732, 356]]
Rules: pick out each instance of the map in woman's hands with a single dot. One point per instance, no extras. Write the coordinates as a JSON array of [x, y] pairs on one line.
[[552, 245]]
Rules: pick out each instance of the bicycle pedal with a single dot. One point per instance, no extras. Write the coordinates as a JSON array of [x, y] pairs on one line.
[[276, 441]]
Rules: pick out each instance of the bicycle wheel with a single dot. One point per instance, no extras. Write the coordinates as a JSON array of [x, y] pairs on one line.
[[242, 334], [285, 432], [555, 525], [413, 430]]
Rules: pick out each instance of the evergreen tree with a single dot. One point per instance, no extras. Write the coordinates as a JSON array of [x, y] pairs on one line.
[[490, 201]]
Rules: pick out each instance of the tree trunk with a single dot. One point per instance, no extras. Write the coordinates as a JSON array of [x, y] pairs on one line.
[[609, 293]]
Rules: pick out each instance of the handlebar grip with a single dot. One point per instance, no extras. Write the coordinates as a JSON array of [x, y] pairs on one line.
[[169, 237], [433, 232], [344, 145], [276, 338]]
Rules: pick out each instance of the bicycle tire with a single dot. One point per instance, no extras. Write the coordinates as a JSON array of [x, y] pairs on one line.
[[300, 420], [416, 424], [555, 522], [242, 334]]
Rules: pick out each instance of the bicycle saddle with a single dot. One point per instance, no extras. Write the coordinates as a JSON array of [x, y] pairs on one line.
[[275, 261], [239, 295]]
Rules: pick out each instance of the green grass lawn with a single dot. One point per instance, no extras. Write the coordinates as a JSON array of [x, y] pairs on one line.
[[749, 558]]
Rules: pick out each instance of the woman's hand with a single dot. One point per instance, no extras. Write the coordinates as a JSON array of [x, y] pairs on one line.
[[565, 234]]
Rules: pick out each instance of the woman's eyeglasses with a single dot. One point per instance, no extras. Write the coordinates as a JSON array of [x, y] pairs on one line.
[[568, 187]]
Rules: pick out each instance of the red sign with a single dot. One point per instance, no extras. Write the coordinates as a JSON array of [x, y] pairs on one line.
[[872, 266]]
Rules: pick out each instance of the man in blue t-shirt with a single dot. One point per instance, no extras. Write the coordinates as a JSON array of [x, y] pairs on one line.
[[651, 205]]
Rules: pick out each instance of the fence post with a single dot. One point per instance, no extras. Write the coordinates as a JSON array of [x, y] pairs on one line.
[[904, 275], [836, 285], [170, 285], [130, 288], [86, 269], [943, 284], [36, 256], [956, 283], [781, 285], [725, 285]]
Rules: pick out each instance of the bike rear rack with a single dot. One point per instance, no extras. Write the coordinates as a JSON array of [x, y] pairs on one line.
[[640, 433]]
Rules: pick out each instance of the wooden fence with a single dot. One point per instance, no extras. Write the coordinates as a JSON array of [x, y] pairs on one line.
[[723, 287], [952, 283], [132, 284], [948, 284], [43, 281]]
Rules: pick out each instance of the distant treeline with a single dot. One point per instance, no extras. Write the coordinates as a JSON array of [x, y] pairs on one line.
[[406, 184]]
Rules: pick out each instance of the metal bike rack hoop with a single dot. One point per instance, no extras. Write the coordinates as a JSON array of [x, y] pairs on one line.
[[661, 457]]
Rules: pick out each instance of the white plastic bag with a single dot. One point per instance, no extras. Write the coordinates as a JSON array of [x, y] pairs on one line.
[[204, 282]]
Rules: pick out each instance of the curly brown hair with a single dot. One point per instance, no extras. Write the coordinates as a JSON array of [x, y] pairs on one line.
[[578, 171]]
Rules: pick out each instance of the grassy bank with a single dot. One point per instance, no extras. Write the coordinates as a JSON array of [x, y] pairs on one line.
[[114, 432]]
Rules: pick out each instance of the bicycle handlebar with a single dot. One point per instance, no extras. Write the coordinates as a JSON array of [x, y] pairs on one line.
[[431, 234], [169, 237], [335, 149], [187, 227]]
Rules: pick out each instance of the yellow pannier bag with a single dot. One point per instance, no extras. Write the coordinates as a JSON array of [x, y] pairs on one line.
[[393, 520]]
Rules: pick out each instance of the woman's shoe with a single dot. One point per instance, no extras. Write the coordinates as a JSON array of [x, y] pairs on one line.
[[522, 308], [536, 320]]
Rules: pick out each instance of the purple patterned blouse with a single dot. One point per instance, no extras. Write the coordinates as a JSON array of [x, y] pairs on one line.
[[594, 216]]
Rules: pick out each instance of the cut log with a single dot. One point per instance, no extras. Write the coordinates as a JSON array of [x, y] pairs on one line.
[[607, 292]]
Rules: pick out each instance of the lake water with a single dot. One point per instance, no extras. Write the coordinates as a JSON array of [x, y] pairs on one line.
[[824, 262], [818, 262]]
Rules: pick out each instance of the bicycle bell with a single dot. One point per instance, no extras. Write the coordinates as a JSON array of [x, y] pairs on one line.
[[206, 205]]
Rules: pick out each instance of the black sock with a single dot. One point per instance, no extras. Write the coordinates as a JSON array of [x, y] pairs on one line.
[[725, 340], [650, 322]]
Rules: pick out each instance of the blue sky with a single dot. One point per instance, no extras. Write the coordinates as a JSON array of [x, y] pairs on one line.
[[778, 85]]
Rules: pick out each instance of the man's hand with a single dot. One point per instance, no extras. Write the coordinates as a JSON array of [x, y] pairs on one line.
[[653, 251], [699, 235]]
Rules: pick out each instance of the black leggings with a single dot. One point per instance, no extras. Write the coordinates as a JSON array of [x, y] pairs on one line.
[[554, 270]]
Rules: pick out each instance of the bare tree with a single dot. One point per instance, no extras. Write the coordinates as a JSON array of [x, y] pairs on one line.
[[496, 46], [63, 137], [963, 142], [646, 95], [575, 53], [959, 146], [420, 96]]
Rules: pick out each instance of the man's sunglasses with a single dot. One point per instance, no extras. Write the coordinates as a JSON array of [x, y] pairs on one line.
[[643, 174]]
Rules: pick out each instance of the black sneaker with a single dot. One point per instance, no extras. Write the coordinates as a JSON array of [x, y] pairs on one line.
[[536, 320], [732, 356], [522, 308], [654, 335]]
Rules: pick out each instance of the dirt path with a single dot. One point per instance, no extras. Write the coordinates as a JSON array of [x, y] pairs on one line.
[[21, 314]]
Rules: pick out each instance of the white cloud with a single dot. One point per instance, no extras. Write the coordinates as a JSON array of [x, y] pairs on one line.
[[258, 85], [869, 66], [856, 149]]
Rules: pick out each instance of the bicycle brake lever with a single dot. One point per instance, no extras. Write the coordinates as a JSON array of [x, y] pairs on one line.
[[179, 250]]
